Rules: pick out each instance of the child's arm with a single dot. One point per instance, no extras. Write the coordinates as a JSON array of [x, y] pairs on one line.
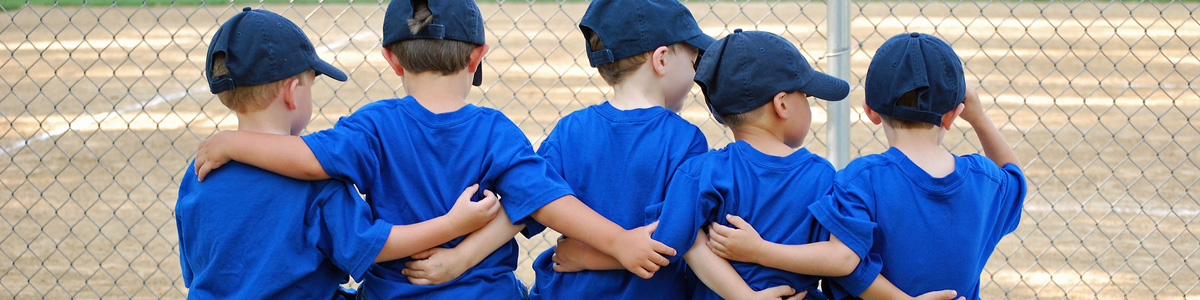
[[466, 216], [441, 265], [634, 248], [286, 155], [571, 255], [829, 258], [994, 145], [882, 289], [721, 278]]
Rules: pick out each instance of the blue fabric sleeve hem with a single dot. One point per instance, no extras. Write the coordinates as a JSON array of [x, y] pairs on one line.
[[863, 276], [322, 155], [381, 231], [520, 214], [821, 210]]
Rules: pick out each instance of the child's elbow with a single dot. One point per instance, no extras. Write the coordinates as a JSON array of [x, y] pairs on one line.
[[847, 261]]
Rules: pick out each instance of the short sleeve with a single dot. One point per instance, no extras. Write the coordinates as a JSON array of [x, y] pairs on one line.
[[553, 157], [699, 144], [348, 151], [1012, 185], [344, 229], [526, 184], [860, 279], [686, 208], [847, 216], [184, 265]]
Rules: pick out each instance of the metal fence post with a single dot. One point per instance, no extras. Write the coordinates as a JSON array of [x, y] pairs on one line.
[[838, 112]]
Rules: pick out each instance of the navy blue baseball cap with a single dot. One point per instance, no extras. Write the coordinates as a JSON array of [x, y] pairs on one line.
[[632, 27], [744, 70], [262, 47], [457, 20], [915, 62]]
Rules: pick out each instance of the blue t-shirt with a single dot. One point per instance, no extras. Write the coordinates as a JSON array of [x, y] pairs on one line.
[[246, 233], [931, 233], [412, 164], [618, 163], [772, 193]]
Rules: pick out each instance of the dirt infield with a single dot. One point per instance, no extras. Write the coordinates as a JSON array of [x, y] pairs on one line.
[[107, 106]]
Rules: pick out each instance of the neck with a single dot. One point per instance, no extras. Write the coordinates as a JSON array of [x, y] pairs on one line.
[[639, 89], [438, 93], [762, 139], [265, 121], [923, 147]]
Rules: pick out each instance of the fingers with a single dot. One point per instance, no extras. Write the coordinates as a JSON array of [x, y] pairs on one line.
[[644, 274], [411, 273], [421, 281], [492, 202], [738, 222], [718, 248], [717, 230], [799, 296], [423, 254], [939, 295], [663, 248], [650, 228], [779, 291], [468, 193]]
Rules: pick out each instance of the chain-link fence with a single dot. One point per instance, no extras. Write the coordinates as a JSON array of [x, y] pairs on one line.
[[106, 105]]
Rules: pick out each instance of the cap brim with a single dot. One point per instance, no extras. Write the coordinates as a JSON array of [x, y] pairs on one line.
[[478, 80], [702, 42], [327, 69], [826, 87]]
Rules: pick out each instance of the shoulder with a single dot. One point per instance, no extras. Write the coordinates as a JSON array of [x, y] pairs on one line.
[[863, 165], [705, 162], [984, 168], [378, 107]]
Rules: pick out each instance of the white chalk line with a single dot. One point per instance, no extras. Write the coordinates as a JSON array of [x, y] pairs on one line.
[[93, 120]]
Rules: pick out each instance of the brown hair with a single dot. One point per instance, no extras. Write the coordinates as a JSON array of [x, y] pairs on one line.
[[419, 55], [909, 99], [252, 98], [615, 71]]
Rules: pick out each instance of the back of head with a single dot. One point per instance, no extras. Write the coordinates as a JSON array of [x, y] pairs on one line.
[[745, 70], [253, 53], [435, 36], [620, 32], [913, 80]]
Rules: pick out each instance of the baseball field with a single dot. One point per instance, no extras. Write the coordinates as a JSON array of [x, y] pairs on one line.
[[107, 104]]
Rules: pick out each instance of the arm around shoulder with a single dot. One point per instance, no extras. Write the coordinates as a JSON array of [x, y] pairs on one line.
[[286, 155]]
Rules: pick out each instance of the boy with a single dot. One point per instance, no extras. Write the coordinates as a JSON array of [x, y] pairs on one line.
[[422, 145], [250, 234], [757, 84], [618, 155], [943, 214]]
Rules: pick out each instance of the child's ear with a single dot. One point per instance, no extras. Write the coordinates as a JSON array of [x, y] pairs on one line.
[[289, 92], [781, 107], [658, 60], [948, 118], [392, 61], [477, 57], [871, 114]]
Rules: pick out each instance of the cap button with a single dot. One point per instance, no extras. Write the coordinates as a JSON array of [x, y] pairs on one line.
[[739, 30], [246, 8], [914, 34]]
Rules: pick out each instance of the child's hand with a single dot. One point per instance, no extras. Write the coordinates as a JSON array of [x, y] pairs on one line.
[[640, 254], [973, 109], [779, 292], [940, 295], [474, 214], [211, 155], [435, 266], [569, 255], [741, 244]]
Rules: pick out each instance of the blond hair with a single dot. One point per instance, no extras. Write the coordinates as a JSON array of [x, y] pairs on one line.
[[245, 99]]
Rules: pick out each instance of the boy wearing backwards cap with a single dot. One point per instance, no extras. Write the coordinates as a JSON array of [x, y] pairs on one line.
[[619, 155], [247, 233], [943, 214], [431, 143], [758, 84]]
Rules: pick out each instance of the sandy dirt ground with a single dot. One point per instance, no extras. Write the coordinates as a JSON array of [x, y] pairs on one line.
[[106, 106]]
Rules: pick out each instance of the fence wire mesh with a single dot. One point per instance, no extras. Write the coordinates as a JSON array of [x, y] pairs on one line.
[[106, 104]]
